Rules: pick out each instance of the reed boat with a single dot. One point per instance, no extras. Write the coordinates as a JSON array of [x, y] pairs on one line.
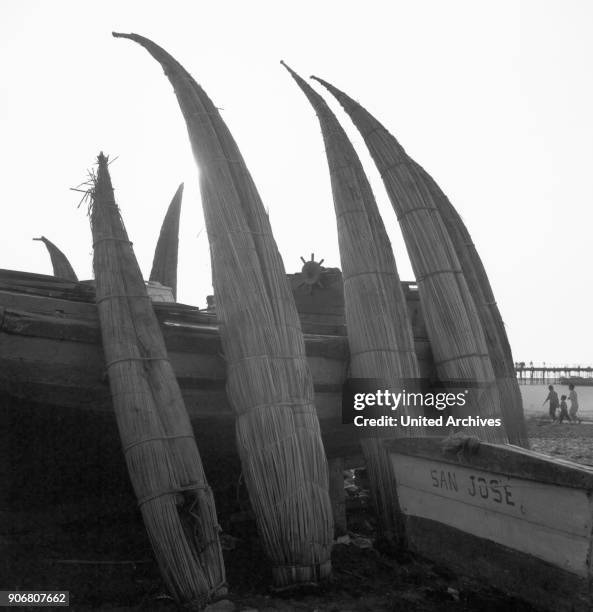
[[51, 354], [512, 518]]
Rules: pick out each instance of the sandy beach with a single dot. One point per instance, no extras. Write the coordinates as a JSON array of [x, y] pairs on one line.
[[568, 441], [571, 441]]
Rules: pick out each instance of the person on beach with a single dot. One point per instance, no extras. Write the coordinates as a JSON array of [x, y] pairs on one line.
[[553, 399], [574, 403], [563, 410]]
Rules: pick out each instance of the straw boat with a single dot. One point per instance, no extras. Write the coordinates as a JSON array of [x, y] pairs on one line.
[[512, 518], [163, 461], [454, 325], [269, 382], [59, 261], [164, 263], [379, 331]]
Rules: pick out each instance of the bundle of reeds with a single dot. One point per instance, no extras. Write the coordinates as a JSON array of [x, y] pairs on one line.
[[157, 438], [499, 348], [451, 317], [268, 380], [379, 329], [59, 261], [164, 264]]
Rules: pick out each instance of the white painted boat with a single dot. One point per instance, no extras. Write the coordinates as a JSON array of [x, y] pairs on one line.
[[518, 520]]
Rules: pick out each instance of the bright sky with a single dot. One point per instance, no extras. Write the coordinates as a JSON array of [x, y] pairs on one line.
[[494, 99]]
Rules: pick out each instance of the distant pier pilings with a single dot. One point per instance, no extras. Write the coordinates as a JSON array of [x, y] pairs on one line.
[[538, 375]]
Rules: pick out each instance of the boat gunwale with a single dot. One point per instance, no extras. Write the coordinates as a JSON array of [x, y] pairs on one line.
[[504, 459]]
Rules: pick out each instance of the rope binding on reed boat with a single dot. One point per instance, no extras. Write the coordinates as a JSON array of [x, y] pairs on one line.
[[175, 491], [435, 272], [457, 357], [155, 439], [114, 239], [432, 209]]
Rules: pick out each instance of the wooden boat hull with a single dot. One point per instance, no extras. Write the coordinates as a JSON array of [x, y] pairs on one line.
[[518, 520], [60, 451], [51, 354]]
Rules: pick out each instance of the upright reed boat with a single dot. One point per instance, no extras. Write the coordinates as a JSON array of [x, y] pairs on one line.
[[164, 264], [269, 383], [163, 461], [454, 326], [379, 328], [60, 264]]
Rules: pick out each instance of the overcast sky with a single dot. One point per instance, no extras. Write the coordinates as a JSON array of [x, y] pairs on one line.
[[494, 99]]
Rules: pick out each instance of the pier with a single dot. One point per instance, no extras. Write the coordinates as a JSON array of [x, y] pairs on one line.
[[537, 375]]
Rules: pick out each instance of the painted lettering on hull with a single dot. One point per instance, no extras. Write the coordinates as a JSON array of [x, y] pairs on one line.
[[477, 486], [444, 479], [490, 489], [548, 521]]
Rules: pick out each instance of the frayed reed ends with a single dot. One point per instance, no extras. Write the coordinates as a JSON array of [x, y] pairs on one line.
[[165, 468]]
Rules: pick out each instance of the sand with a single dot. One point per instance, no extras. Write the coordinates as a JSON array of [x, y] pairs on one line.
[[567, 440]]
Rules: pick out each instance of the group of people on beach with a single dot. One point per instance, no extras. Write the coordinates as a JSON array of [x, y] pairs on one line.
[[570, 414]]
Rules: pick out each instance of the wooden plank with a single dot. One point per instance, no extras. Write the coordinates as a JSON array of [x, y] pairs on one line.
[[173, 313], [542, 584], [23, 323], [190, 338], [43, 360], [518, 520], [79, 386], [549, 522], [47, 305], [501, 459], [31, 337]]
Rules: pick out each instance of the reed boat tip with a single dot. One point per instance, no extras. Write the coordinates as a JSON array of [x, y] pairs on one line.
[[327, 85], [131, 36], [292, 72]]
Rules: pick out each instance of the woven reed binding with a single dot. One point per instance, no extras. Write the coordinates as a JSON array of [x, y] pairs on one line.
[[114, 361], [284, 404], [435, 272], [368, 273], [413, 210], [154, 439], [194, 487], [382, 350], [113, 238], [403, 162], [265, 356], [457, 357]]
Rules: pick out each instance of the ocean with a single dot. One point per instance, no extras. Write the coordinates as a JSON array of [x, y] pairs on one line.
[[534, 395]]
